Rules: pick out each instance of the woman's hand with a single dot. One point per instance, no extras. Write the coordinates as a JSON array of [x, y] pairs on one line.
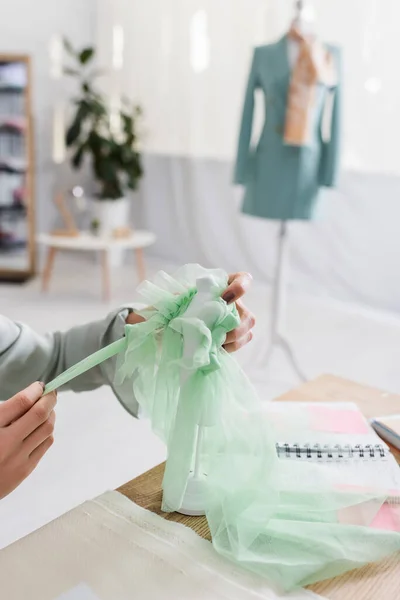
[[239, 283], [26, 433]]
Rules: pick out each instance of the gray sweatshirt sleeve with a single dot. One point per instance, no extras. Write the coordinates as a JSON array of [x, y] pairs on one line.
[[26, 356]]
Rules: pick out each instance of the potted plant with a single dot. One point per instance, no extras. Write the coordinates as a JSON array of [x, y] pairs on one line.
[[108, 138]]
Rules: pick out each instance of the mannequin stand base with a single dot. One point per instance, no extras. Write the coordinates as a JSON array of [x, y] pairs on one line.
[[284, 345], [193, 502], [278, 306], [191, 513]]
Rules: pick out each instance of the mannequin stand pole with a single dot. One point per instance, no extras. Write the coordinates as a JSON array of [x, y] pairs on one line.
[[278, 306], [197, 466]]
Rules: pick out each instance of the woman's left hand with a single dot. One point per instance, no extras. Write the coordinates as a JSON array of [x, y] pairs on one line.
[[239, 283]]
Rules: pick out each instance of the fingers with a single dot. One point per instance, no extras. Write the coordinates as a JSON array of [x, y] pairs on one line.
[[239, 283], [37, 437], [40, 451], [234, 346], [36, 416], [243, 334], [21, 403], [247, 322]]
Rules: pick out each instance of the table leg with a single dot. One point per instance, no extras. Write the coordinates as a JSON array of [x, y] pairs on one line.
[[141, 271], [105, 262], [48, 268]]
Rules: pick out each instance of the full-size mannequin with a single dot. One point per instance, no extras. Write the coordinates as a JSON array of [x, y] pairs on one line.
[[282, 178], [304, 22]]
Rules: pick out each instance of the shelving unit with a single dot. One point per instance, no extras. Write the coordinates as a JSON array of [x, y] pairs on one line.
[[16, 218]]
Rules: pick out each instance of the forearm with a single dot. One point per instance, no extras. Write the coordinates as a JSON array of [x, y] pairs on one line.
[[26, 356], [80, 342]]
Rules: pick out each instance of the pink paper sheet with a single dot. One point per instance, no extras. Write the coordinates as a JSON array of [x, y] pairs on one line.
[[324, 418], [387, 518]]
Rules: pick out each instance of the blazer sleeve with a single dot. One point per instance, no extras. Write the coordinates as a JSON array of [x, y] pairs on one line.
[[330, 155], [243, 151], [26, 356]]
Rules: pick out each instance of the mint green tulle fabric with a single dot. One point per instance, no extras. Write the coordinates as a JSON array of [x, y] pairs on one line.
[[293, 522]]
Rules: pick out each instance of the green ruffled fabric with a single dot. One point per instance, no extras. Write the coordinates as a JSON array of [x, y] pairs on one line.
[[292, 522], [280, 519]]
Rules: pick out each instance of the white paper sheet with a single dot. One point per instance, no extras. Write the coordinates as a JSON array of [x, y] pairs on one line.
[[121, 552]]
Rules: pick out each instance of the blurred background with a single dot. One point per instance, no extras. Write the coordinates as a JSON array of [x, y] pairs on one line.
[[125, 129]]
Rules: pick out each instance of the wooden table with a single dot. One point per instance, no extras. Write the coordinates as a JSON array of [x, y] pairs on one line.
[[86, 242], [377, 581]]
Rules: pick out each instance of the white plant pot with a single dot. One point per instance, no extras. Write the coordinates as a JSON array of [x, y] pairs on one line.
[[111, 215]]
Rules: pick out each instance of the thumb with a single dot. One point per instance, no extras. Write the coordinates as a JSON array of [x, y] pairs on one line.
[[18, 405]]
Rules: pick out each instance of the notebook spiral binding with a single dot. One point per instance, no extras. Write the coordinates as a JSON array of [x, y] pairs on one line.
[[336, 453]]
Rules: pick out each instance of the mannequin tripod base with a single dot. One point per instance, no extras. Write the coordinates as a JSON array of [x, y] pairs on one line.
[[278, 306]]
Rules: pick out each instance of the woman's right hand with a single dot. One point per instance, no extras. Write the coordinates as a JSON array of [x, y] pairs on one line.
[[26, 433]]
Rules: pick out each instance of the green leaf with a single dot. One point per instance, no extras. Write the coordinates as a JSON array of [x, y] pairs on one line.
[[105, 170], [97, 146], [86, 55], [73, 132], [86, 87], [128, 123], [78, 156], [134, 171], [68, 47], [71, 72], [75, 128], [111, 191], [96, 106]]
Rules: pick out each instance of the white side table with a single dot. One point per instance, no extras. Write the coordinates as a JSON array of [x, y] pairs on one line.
[[87, 242]]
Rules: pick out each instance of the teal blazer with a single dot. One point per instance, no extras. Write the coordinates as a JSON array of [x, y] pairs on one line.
[[282, 181]]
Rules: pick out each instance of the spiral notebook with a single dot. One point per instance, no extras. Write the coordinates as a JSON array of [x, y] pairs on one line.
[[335, 435], [338, 452]]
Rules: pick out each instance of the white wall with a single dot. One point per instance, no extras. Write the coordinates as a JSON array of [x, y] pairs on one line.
[[186, 62], [26, 27], [192, 120]]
